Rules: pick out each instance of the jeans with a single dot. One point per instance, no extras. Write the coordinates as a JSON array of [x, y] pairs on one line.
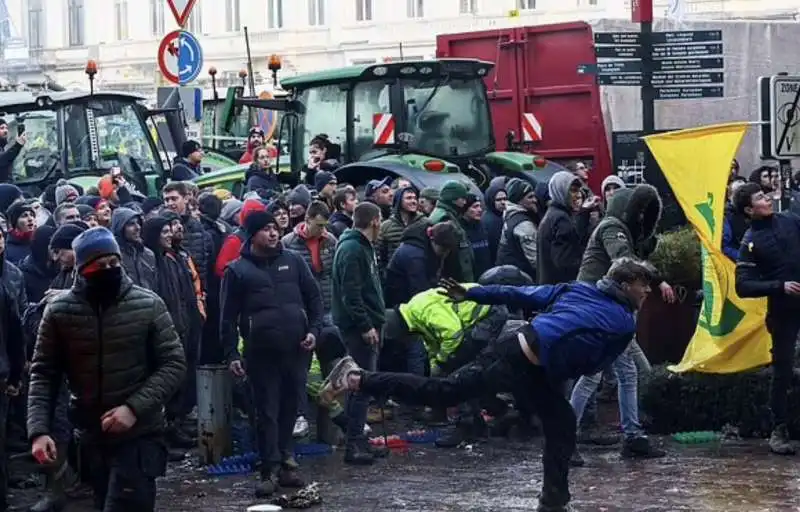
[[273, 379], [124, 474], [357, 404], [784, 328], [627, 383], [500, 367]]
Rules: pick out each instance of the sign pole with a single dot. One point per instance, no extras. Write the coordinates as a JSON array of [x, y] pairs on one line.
[[642, 12]]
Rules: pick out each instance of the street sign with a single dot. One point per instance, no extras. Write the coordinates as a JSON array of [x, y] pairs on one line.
[[630, 79], [618, 52], [688, 64], [181, 10], [785, 116], [180, 57], [694, 50], [688, 93], [765, 129], [633, 38], [614, 66], [687, 36], [684, 79]]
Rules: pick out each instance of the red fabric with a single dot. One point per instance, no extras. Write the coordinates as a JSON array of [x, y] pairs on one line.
[[250, 206], [247, 157], [27, 236], [229, 253], [314, 246]]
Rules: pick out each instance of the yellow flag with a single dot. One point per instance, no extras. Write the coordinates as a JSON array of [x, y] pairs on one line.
[[731, 334]]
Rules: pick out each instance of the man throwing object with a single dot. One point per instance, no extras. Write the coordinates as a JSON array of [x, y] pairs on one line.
[[582, 328]]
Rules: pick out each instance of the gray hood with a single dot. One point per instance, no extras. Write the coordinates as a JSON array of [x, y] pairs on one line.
[[559, 187], [120, 218]]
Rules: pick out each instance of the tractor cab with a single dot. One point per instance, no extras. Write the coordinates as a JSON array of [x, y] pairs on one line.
[[81, 136]]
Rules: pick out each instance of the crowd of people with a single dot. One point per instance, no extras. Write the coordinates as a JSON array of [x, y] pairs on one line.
[[111, 300]]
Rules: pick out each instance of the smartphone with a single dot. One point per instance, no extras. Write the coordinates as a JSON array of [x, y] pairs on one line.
[[20, 129]]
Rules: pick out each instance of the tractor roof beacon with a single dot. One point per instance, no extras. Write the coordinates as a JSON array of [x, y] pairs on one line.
[[441, 116], [80, 136]]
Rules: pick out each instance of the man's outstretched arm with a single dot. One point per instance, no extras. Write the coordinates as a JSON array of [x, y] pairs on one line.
[[518, 297]]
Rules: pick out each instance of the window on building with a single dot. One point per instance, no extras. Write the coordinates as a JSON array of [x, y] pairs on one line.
[[469, 6], [316, 12], [275, 14], [195, 22], [233, 18], [35, 24], [157, 17], [526, 4], [415, 8], [363, 10], [76, 20], [121, 19]]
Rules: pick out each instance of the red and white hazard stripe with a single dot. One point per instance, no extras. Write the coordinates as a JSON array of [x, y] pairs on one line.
[[383, 127], [531, 128]]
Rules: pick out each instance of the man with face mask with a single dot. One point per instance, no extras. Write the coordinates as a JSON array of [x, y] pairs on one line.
[[275, 291], [123, 360], [450, 207], [564, 230], [138, 261], [8, 154]]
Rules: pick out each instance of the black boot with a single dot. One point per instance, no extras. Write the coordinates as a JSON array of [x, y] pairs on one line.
[[358, 453], [289, 477], [641, 447], [268, 484], [58, 479]]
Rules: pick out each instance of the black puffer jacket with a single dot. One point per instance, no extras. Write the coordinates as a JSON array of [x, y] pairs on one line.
[[14, 282], [128, 354], [200, 246], [138, 261]]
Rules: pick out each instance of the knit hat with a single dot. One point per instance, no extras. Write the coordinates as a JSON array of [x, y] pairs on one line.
[[429, 193], [452, 191], [257, 221], [189, 147], [230, 211], [40, 243], [209, 205], [517, 189], [85, 211], [8, 194], [93, 201], [150, 204], [223, 194], [65, 192], [15, 211], [92, 245], [322, 179], [300, 195], [250, 206], [375, 185], [65, 235], [472, 199], [3, 122]]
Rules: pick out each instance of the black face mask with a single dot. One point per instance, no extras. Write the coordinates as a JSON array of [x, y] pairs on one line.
[[103, 286]]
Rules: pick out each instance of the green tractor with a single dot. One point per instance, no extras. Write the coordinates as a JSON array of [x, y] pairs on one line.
[[437, 111], [80, 136]]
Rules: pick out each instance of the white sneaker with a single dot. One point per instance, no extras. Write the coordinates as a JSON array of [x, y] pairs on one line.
[[300, 427]]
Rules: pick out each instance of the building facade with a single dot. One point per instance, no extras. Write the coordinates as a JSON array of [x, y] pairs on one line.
[[56, 37]]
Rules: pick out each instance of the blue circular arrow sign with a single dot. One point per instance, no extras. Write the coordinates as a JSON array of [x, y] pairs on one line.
[[190, 57]]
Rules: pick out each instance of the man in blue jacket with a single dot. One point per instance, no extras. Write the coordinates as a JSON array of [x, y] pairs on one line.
[[769, 266], [274, 292], [582, 328]]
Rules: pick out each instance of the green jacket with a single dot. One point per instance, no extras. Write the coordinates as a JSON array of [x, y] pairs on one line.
[[357, 300], [446, 212], [442, 323]]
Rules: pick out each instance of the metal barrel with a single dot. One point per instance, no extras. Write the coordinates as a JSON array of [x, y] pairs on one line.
[[214, 407]]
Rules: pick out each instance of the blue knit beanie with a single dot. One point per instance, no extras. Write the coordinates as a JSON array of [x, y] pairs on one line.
[[93, 244]]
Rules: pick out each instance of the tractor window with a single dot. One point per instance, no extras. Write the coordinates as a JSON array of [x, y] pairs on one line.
[[121, 135], [40, 153], [369, 98], [325, 112], [448, 117]]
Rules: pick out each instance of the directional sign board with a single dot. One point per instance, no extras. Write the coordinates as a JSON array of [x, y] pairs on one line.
[[688, 93], [702, 63], [618, 52], [181, 10], [180, 57], [785, 116], [687, 36], [632, 38], [683, 79], [694, 50], [631, 79]]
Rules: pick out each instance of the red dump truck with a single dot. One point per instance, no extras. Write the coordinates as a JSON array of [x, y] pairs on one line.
[[536, 72]]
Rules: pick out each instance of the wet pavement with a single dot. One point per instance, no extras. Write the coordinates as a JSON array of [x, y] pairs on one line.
[[504, 475]]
